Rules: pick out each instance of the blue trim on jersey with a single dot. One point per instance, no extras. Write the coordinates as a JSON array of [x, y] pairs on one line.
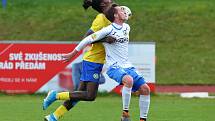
[[116, 73], [116, 27], [91, 71], [110, 32], [90, 31]]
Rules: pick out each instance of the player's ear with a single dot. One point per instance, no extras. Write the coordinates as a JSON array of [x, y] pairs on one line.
[[115, 15]]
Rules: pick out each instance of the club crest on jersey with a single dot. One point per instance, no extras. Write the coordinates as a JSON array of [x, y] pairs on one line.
[[93, 36], [95, 76], [125, 32]]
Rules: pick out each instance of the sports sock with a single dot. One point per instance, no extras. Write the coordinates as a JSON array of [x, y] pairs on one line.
[[126, 97], [60, 111], [144, 102], [63, 96]]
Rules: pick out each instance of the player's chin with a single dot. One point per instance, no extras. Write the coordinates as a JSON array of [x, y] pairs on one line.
[[125, 18]]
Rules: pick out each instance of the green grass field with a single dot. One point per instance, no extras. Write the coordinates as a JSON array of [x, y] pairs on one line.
[[182, 29], [108, 108]]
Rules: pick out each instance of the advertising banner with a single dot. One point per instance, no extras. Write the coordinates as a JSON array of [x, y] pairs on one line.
[[25, 68], [38, 67]]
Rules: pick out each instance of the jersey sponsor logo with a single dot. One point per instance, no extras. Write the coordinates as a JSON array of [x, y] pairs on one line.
[[95, 76], [122, 40]]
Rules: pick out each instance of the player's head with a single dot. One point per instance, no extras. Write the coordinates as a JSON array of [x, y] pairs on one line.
[[127, 11], [98, 5], [115, 12]]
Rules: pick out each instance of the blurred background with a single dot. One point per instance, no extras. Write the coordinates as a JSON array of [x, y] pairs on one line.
[[183, 33]]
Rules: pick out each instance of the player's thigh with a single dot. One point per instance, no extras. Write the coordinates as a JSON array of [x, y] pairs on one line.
[[92, 89], [82, 86]]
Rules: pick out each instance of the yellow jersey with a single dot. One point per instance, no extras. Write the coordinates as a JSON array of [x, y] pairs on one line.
[[96, 53]]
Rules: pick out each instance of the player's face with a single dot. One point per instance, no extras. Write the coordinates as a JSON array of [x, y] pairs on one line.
[[121, 13], [105, 3]]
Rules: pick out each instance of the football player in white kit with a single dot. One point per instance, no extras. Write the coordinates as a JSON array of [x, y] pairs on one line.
[[119, 67]]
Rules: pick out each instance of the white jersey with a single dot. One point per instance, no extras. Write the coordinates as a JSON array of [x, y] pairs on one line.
[[116, 52]]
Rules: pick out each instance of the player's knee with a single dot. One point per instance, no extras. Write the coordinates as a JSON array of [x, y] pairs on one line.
[[127, 81], [144, 89]]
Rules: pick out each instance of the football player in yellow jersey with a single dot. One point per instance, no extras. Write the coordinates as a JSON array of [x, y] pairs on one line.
[[92, 66]]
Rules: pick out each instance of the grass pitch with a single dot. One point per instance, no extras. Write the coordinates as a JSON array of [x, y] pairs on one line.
[[108, 108]]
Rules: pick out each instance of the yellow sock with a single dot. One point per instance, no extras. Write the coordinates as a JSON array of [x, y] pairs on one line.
[[60, 111], [63, 96]]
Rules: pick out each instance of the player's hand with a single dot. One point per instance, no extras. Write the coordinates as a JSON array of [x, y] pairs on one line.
[[110, 39], [69, 56]]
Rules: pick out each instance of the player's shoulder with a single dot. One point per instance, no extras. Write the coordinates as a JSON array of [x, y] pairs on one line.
[[108, 28], [100, 16], [98, 23], [126, 26]]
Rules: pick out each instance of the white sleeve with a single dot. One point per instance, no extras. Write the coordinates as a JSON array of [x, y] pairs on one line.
[[94, 37]]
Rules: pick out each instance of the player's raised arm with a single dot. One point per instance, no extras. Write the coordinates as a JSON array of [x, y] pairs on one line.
[[94, 37], [88, 40]]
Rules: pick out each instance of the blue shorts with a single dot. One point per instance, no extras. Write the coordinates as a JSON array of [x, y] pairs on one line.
[[91, 71], [117, 73]]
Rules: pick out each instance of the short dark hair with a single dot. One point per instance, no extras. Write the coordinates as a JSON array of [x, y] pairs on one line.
[[94, 3], [111, 10]]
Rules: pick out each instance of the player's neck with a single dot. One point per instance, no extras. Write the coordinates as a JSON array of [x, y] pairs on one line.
[[119, 22]]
